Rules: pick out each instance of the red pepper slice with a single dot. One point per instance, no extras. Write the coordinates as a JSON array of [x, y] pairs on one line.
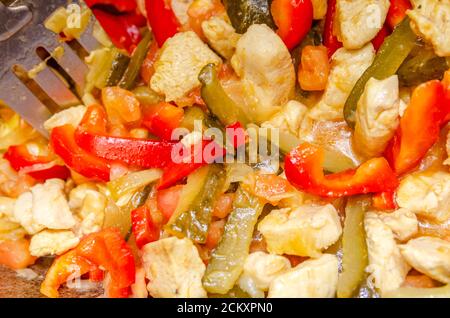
[[419, 127], [293, 19], [67, 266], [19, 157], [303, 168], [384, 201], [62, 140], [108, 249], [329, 39], [162, 20], [119, 5], [162, 118], [144, 228], [397, 12], [123, 29], [91, 136]]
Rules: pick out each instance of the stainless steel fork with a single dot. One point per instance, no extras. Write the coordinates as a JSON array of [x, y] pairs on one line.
[[22, 37]]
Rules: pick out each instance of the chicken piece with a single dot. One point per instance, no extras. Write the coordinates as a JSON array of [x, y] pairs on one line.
[[265, 67], [305, 231], [315, 278], [23, 213], [181, 59], [426, 194], [50, 207], [402, 222], [180, 9], [260, 269], [431, 20], [221, 36], [72, 116], [51, 242], [377, 116], [90, 206], [386, 267], [430, 256], [360, 21], [174, 269], [319, 9], [346, 68], [288, 119]]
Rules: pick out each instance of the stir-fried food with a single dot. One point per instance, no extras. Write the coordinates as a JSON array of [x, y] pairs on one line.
[[285, 148]]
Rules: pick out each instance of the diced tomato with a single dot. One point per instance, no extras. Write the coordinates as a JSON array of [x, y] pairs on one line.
[[121, 105], [223, 205], [214, 234], [314, 68], [167, 200], [269, 187], [148, 68], [162, 118], [16, 254]]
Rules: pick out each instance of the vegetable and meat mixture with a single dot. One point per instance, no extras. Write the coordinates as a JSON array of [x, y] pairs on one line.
[[353, 96]]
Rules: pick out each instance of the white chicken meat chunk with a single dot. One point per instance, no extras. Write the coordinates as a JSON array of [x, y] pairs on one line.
[[174, 269], [377, 116], [52, 242], [305, 231], [181, 59], [402, 222], [71, 116], [360, 21], [7, 207], [180, 9], [260, 269], [288, 119], [50, 206], [319, 9], [431, 20], [430, 256], [221, 36], [426, 194], [264, 64], [387, 268], [23, 213], [315, 278], [346, 68]]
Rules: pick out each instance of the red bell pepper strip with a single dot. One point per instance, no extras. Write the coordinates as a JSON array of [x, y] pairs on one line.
[[419, 127], [119, 5], [162, 118], [293, 19], [145, 230], [379, 38], [384, 201], [145, 153], [106, 249], [397, 12], [162, 20], [19, 158], [122, 29], [62, 140], [329, 39], [67, 266], [303, 168], [109, 250]]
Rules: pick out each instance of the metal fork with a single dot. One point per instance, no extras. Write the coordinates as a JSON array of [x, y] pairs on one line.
[[22, 37]]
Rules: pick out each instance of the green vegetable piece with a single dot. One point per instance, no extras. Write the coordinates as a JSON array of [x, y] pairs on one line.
[[244, 13], [390, 56], [132, 72], [194, 220], [118, 67], [421, 66], [219, 103], [354, 259], [227, 260]]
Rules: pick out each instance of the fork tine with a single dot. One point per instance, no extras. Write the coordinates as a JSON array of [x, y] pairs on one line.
[[24, 101]]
